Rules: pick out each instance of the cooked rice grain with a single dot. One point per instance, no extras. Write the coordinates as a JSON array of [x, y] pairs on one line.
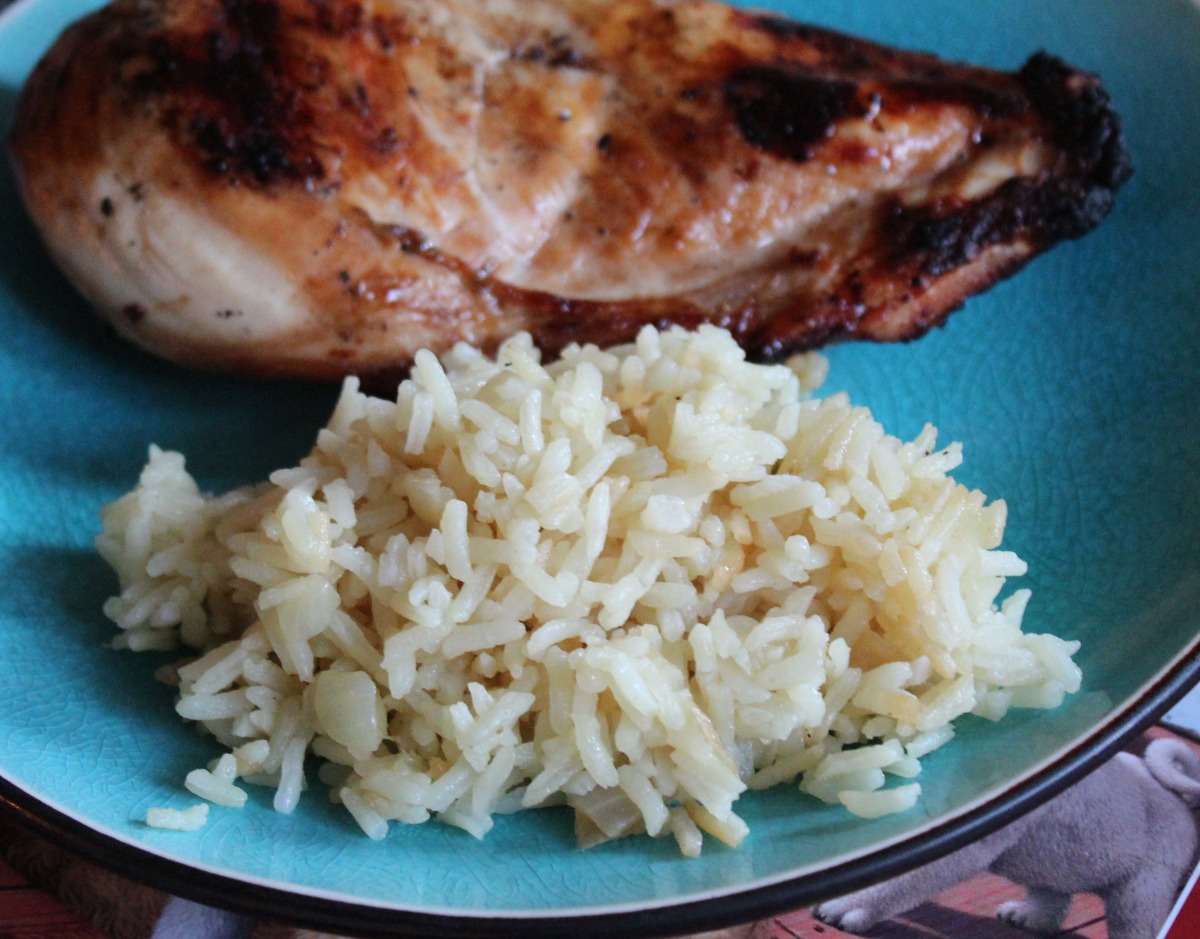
[[634, 581], [189, 819]]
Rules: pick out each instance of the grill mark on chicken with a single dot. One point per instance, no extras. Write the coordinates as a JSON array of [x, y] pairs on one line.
[[555, 52], [915, 75], [233, 96], [359, 179], [255, 123], [785, 111]]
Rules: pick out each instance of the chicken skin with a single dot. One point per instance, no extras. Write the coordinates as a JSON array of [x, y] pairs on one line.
[[314, 188]]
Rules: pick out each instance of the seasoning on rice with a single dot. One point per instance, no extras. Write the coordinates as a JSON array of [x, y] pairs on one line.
[[636, 582]]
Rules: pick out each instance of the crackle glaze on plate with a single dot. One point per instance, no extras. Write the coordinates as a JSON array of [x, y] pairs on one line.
[[1073, 388]]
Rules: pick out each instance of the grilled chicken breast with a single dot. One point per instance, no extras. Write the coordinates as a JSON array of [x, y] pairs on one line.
[[322, 187]]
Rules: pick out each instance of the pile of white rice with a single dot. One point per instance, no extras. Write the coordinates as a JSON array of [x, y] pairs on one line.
[[637, 581]]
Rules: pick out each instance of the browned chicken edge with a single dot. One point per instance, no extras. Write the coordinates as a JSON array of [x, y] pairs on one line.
[[923, 261]]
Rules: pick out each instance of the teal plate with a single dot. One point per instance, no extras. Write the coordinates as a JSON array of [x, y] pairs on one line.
[[1073, 387]]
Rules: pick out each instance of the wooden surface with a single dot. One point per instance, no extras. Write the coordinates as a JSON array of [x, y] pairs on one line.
[[28, 911]]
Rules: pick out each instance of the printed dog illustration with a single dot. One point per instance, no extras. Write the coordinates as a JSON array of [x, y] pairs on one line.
[[1126, 832]]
